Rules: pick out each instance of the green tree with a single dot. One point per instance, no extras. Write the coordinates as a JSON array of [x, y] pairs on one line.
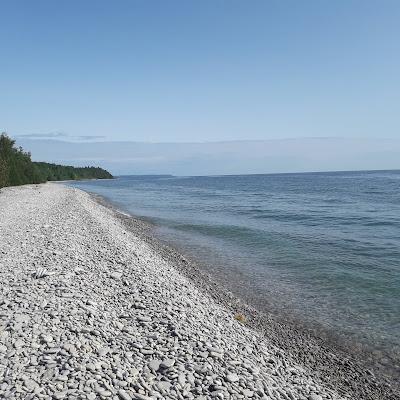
[[17, 168]]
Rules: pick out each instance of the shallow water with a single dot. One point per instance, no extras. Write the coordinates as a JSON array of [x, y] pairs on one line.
[[324, 246]]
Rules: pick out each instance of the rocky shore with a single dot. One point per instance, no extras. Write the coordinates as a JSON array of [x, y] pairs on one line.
[[91, 309]]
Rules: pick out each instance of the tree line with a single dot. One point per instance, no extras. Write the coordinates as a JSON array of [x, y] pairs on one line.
[[17, 168]]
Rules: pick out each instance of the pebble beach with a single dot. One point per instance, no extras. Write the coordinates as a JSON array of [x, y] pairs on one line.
[[91, 309]]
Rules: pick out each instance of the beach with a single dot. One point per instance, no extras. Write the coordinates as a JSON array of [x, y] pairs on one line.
[[92, 306]]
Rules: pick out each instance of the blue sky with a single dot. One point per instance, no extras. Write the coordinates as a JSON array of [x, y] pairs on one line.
[[183, 71]]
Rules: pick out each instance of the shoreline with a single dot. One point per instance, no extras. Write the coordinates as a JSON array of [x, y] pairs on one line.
[[92, 305], [348, 363]]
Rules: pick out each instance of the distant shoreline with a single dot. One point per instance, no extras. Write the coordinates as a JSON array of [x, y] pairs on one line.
[[266, 173]]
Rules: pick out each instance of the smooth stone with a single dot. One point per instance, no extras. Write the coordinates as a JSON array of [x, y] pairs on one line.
[[154, 365], [30, 384], [116, 275], [248, 393], [143, 318], [314, 397], [164, 385], [147, 352], [124, 395], [103, 351], [59, 395], [232, 377], [182, 379], [18, 343], [167, 363], [47, 338], [22, 318], [139, 396]]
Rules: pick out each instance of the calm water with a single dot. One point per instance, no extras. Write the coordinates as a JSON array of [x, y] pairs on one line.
[[323, 246]]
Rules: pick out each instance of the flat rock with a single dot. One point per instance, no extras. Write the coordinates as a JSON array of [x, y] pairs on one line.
[[232, 377], [154, 365], [116, 275], [167, 363]]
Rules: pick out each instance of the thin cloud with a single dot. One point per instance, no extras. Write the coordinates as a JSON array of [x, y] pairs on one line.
[[56, 135], [89, 137], [43, 135]]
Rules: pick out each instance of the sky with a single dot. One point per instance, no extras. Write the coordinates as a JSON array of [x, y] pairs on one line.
[[199, 71]]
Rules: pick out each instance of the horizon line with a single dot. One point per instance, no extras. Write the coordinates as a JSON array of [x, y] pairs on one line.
[[52, 139], [265, 173]]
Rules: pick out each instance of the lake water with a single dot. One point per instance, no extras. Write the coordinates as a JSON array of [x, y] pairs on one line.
[[322, 246]]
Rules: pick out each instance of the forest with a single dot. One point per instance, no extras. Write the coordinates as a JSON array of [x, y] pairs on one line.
[[17, 168]]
